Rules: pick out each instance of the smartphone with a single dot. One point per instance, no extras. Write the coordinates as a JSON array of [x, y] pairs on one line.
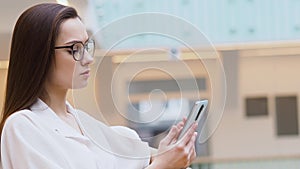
[[195, 115]]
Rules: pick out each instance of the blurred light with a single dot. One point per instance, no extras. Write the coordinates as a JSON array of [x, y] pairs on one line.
[[3, 64], [63, 2]]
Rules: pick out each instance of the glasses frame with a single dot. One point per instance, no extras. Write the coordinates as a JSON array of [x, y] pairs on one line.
[[84, 47]]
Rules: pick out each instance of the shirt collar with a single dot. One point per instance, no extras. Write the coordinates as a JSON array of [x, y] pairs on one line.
[[40, 105], [43, 111]]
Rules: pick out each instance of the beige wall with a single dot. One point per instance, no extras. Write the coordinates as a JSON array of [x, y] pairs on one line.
[[239, 136], [3, 74], [236, 135]]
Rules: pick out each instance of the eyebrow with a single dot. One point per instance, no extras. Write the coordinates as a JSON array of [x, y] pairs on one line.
[[77, 41]]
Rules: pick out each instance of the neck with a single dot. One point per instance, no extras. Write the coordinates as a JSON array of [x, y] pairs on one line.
[[56, 100]]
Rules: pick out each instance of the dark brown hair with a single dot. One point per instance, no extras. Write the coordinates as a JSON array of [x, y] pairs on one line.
[[31, 55]]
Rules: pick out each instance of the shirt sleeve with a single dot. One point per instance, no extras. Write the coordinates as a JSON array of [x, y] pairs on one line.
[[132, 134], [123, 142], [24, 145]]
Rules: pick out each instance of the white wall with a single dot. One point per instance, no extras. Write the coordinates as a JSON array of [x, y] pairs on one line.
[[238, 136]]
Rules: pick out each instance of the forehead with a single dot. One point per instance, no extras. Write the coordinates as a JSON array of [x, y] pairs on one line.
[[70, 30]]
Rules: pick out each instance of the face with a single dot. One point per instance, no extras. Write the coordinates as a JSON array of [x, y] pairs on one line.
[[66, 73]]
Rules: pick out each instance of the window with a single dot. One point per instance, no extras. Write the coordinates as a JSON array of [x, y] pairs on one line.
[[257, 106], [287, 115]]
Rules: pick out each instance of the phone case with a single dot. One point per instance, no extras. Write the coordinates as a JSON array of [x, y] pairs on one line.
[[194, 116]]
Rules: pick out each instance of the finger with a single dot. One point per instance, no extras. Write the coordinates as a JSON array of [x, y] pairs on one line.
[[191, 144], [171, 135], [192, 149], [177, 135], [184, 119], [180, 124], [193, 156], [189, 134]]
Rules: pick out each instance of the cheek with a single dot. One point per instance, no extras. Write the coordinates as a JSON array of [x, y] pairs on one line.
[[79, 81], [66, 73], [63, 72]]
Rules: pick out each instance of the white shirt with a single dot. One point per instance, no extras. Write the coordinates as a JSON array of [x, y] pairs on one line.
[[38, 139]]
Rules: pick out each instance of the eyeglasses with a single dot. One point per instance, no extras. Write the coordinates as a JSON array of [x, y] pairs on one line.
[[78, 48]]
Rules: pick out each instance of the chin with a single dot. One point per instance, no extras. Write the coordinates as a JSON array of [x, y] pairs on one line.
[[79, 86]]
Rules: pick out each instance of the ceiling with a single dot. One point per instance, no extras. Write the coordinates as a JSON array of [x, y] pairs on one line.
[[10, 10]]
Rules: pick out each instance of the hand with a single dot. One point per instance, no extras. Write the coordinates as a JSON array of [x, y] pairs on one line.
[[173, 153]]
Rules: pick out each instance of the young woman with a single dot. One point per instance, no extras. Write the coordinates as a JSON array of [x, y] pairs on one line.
[[50, 54]]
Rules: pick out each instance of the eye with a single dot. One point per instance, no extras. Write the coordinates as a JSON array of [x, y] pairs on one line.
[[76, 48]]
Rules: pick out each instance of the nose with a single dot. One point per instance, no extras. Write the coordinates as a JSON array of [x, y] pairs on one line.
[[87, 58]]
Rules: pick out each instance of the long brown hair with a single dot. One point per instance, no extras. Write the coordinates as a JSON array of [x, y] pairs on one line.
[[31, 55]]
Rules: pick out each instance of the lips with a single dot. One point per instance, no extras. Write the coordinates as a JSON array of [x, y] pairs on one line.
[[87, 72]]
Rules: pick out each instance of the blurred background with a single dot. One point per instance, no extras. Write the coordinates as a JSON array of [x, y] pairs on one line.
[[247, 59]]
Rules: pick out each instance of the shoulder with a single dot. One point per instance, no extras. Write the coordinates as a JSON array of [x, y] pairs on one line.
[[19, 120], [19, 116]]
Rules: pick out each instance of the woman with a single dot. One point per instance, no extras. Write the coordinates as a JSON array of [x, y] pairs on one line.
[[50, 54]]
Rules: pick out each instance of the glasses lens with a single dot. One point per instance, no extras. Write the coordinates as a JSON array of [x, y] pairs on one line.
[[78, 51], [90, 47]]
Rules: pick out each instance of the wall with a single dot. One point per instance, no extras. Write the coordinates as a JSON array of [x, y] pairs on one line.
[[238, 136], [3, 74], [125, 73]]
